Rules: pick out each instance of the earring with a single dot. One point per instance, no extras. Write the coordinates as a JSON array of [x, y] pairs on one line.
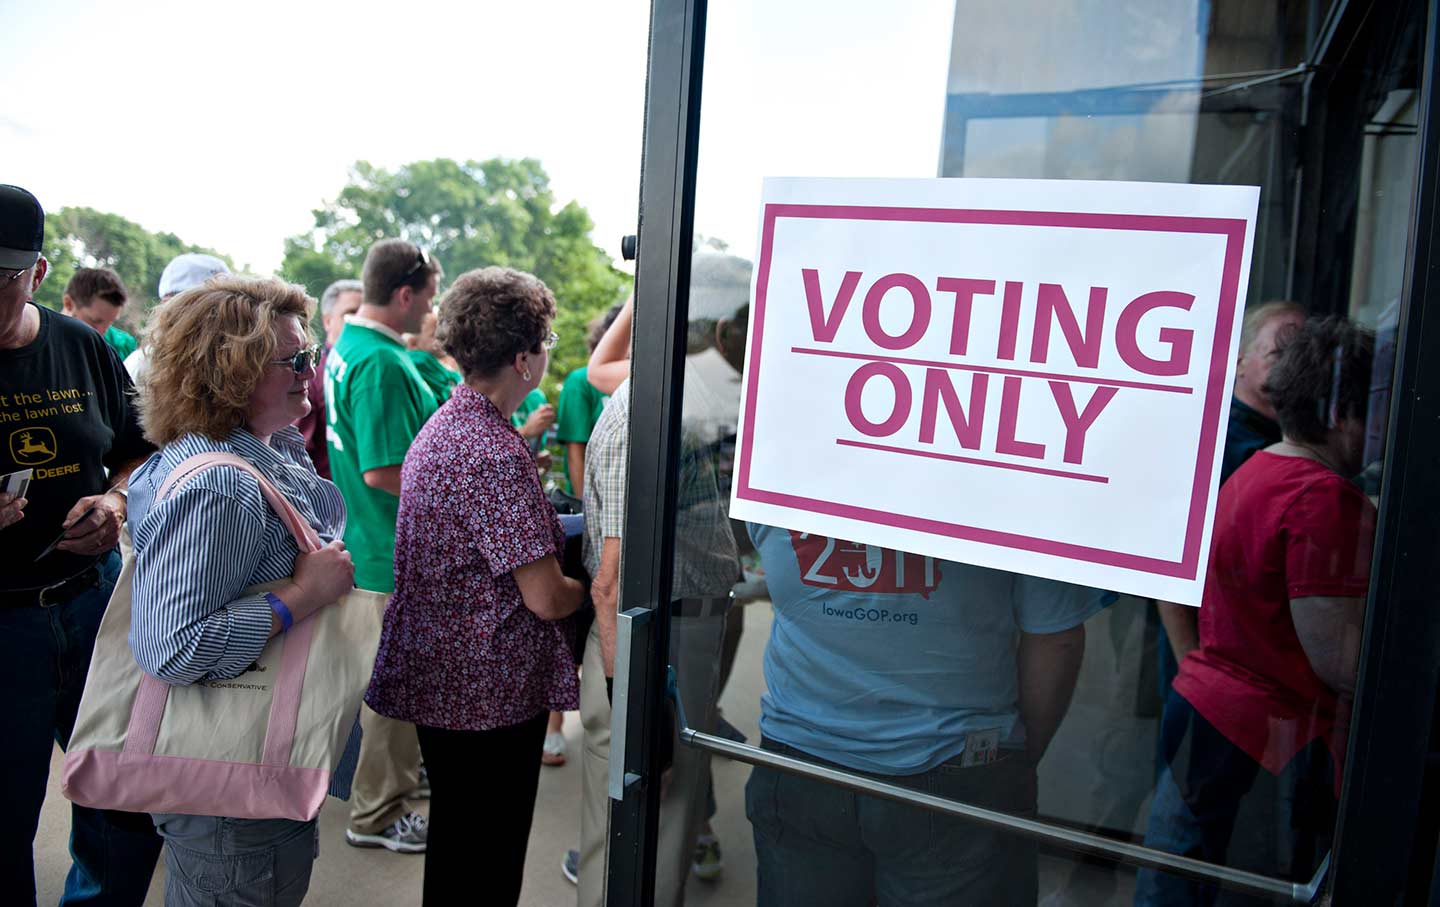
[[526, 376]]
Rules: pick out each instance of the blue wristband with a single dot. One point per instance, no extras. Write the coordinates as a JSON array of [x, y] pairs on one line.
[[281, 611]]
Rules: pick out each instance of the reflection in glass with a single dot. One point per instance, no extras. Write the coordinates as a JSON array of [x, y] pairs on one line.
[[1254, 728], [952, 679], [705, 569], [946, 678]]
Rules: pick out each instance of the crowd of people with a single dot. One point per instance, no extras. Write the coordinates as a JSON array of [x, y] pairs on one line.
[[411, 440]]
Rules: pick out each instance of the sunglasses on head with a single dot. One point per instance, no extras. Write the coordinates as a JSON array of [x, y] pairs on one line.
[[421, 261], [303, 360]]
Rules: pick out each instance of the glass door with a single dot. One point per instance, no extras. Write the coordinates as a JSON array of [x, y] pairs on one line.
[[857, 724]]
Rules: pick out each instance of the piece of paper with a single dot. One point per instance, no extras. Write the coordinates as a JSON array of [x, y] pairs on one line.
[[16, 483]]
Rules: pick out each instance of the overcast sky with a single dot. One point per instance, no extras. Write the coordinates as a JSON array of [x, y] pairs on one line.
[[228, 128]]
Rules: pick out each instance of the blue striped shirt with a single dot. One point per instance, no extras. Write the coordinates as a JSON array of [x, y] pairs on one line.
[[212, 538]]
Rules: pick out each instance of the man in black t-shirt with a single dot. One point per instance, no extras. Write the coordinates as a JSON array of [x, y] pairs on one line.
[[69, 435]]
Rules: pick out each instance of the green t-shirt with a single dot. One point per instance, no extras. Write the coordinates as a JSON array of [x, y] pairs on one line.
[[122, 343], [581, 404], [376, 402], [533, 401], [434, 373]]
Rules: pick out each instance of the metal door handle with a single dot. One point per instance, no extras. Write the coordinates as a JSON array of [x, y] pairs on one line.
[[1069, 839], [630, 624]]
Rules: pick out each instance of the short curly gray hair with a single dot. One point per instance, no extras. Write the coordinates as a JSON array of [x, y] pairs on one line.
[[491, 315]]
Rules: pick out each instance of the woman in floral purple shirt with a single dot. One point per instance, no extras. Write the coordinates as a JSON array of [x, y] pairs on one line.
[[475, 649]]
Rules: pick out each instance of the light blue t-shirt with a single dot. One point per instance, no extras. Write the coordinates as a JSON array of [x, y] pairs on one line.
[[884, 662]]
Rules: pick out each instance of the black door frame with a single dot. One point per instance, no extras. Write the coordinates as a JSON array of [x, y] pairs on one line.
[[1401, 654], [662, 291], [1400, 658]]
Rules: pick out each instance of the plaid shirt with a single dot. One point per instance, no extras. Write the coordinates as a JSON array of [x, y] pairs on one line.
[[706, 560]]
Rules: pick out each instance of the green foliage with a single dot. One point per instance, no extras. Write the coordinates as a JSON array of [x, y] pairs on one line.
[[86, 238], [468, 215]]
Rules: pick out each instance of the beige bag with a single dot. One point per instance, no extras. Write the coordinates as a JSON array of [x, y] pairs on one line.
[[259, 746]]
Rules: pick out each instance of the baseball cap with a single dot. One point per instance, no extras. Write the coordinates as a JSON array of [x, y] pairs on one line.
[[719, 286], [22, 228], [189, 270]]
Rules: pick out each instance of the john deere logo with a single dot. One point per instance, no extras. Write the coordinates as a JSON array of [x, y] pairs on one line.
[[32, 446]]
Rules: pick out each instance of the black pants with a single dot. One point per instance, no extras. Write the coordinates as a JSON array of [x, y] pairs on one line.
[[482, 799]]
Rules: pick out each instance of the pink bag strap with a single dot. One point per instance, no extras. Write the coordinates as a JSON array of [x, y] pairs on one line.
[[305, 535], [149, 708]]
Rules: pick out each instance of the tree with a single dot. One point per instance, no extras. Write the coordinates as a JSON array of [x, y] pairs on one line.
[[470, 215], [86, 238]]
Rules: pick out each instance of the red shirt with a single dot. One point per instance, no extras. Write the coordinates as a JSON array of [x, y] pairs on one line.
[[1285, 528]]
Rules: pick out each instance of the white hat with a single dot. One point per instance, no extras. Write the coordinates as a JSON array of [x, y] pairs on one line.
[[189, 270], [719, 286]]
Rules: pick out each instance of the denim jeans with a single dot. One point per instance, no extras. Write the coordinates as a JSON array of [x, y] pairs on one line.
[[212, 861], [1214, 803], [820, 844], [44, 655]]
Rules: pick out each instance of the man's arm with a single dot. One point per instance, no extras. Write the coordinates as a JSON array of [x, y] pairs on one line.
[[1049, 665], [575, 466], [389, 402], [538, 422], [385, 478], [605, 593], [609, 364], [1182, 627]]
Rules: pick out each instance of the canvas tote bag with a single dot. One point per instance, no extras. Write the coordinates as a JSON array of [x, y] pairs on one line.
[[259, 746]]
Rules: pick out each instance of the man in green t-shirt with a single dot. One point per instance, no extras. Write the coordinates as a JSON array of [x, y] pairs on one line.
[[580, 406], [97, 296], [376, 402]]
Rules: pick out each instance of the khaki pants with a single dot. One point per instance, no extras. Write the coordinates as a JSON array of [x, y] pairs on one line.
[[695, 653], [388, 771]]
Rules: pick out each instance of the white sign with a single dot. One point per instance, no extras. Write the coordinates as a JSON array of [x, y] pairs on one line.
[[1031, 375]]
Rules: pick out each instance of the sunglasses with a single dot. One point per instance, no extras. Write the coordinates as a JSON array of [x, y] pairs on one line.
[[11, 279], [421, 261], [304, 360]]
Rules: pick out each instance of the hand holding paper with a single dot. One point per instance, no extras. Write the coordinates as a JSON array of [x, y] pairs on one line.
[[13, 487]]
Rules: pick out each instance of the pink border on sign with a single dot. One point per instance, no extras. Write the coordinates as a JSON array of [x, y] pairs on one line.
[[1187, 567]]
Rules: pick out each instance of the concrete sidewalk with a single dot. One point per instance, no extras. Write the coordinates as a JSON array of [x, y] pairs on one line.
[[345, 876]]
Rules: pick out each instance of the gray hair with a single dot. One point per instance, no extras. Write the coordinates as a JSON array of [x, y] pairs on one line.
[[1256, 317], [332, 293]]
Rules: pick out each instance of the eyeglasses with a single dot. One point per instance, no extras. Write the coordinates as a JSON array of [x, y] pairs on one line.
[[11, 279], [304, 360], [549, 342], [421, 261]]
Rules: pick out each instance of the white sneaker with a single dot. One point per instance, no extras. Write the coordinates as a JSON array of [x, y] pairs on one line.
[[406, 834], [553, 752]]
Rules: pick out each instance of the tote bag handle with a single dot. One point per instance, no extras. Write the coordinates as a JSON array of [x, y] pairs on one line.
[[149, 709]]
